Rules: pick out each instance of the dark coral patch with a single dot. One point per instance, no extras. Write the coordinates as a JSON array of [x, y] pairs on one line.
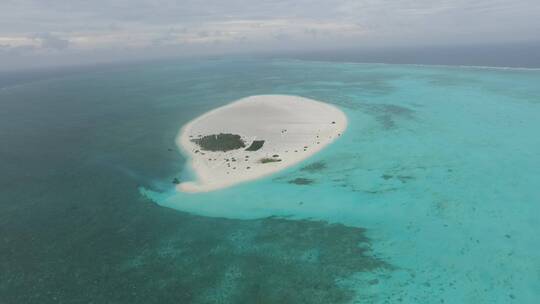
[[301, 181], [314, 167]]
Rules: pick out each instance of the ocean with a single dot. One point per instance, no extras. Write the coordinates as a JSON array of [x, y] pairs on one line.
[[430, 196]]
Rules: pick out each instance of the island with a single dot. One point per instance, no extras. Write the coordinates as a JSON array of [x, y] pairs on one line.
[[254, 137]]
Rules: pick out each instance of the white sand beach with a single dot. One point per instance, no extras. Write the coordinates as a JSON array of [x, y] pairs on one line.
[[289, 128]]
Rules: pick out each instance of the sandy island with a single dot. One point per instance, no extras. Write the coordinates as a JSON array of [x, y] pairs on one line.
[[256, 136]]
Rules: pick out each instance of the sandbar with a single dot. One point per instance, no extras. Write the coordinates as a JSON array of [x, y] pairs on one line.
[[254, 137]]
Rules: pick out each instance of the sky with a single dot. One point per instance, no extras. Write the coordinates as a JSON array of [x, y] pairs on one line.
[[42, 33]]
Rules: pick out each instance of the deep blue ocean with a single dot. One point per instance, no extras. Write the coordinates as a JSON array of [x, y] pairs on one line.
[[431, 195]]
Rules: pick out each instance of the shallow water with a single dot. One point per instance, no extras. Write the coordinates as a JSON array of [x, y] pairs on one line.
[[430, 196]]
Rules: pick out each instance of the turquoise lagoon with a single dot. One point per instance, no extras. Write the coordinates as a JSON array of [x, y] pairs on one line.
[[431, 196]]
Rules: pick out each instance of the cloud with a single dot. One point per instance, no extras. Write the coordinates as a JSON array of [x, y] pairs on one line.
[[281, 36], [32, 44], [9, 50], [194, 26], [49, 41]]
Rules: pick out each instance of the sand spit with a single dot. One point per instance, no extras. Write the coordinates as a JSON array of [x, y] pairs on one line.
[[256, 136]]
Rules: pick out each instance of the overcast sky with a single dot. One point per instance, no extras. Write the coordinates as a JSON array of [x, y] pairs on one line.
[[63, 32]]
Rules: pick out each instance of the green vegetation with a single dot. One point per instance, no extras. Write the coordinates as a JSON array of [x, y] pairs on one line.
[[269, 160], [255, 145], [220, 142]]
